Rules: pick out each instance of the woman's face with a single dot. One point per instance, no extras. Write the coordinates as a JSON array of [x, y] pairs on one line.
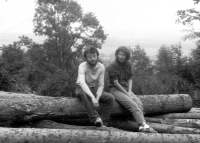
[[121, 56]]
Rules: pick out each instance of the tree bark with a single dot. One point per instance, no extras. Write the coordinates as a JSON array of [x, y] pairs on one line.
[[194, 110], [188, 123], [171, 129], [179, 116], [25, 107], [54, 125], [127, 125], [31, 135]]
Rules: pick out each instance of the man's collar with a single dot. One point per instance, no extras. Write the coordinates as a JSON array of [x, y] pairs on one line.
[[95, 67]]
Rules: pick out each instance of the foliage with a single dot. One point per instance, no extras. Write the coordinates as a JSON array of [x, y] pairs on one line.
[[188, 17], [195, 66], [11, 67], [141, 62], [164, 62], [50, 68], [56, 85], [160, 84], [67, 30], [5, 79]]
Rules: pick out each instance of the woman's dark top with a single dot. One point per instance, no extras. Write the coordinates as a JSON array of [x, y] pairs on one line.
[[122, 72]]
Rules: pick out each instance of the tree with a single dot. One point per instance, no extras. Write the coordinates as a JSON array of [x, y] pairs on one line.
[[164, 62], [170, 59], [67, 30], [11, 67], [141, 62], [195, 66], [188, 17]]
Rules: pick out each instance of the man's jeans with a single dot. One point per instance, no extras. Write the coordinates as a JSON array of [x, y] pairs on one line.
[[106, 102], [134, 105]]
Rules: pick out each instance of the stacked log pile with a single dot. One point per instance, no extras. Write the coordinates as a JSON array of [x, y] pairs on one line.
[[33, 118]]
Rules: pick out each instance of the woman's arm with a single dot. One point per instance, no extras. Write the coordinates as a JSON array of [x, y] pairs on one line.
[[120, 88], [130, 83]]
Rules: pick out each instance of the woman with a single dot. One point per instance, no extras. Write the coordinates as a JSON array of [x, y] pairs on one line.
[[120, 85]]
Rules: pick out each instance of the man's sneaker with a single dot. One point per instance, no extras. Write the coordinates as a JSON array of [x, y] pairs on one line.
[[147, 129], [98, 122]]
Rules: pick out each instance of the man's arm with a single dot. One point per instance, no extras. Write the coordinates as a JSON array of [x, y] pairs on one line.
[[84, 86], [101, 84]]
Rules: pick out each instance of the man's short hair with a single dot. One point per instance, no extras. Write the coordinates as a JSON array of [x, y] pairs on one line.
[[90, 50], [125, 50]]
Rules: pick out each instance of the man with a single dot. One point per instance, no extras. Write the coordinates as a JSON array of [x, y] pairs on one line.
[[90, 87], [120, 85]]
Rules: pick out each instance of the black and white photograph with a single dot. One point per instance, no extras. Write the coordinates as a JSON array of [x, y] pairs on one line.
[[99, 71]]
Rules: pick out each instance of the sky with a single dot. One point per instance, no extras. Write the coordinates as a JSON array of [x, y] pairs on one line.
[[149, 23]]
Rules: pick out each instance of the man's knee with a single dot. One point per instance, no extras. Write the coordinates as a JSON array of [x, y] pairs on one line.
[[82, 95], [111, 96]]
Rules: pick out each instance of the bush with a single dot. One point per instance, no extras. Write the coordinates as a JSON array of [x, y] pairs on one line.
[[160, 84], [56, 85]]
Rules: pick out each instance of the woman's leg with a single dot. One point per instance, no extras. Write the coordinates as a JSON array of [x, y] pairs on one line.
[[138, 102], [129, 104]]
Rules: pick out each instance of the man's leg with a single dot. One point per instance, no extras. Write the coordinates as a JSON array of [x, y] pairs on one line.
[[129, 104], [91, 111], [108, 102]]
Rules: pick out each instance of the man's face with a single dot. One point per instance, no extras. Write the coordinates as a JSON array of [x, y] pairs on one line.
[[92, 59], [121, 56]]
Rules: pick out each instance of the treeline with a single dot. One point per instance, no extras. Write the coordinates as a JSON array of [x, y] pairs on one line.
[[170, 73], [28, 67], [31, 70]]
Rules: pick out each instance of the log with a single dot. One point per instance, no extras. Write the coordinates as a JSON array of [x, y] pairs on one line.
[[171, 129], [194, 110], [160, 128], [127, 125], [48, 124], [31, 135], [25, 107], [188, 123], [179, 116]]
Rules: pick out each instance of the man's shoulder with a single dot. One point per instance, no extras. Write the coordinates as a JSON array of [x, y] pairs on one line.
[[101, 66], [82, 64]]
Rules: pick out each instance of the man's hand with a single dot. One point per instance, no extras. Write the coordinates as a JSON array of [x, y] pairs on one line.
[[98, 97], [95, 102]]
